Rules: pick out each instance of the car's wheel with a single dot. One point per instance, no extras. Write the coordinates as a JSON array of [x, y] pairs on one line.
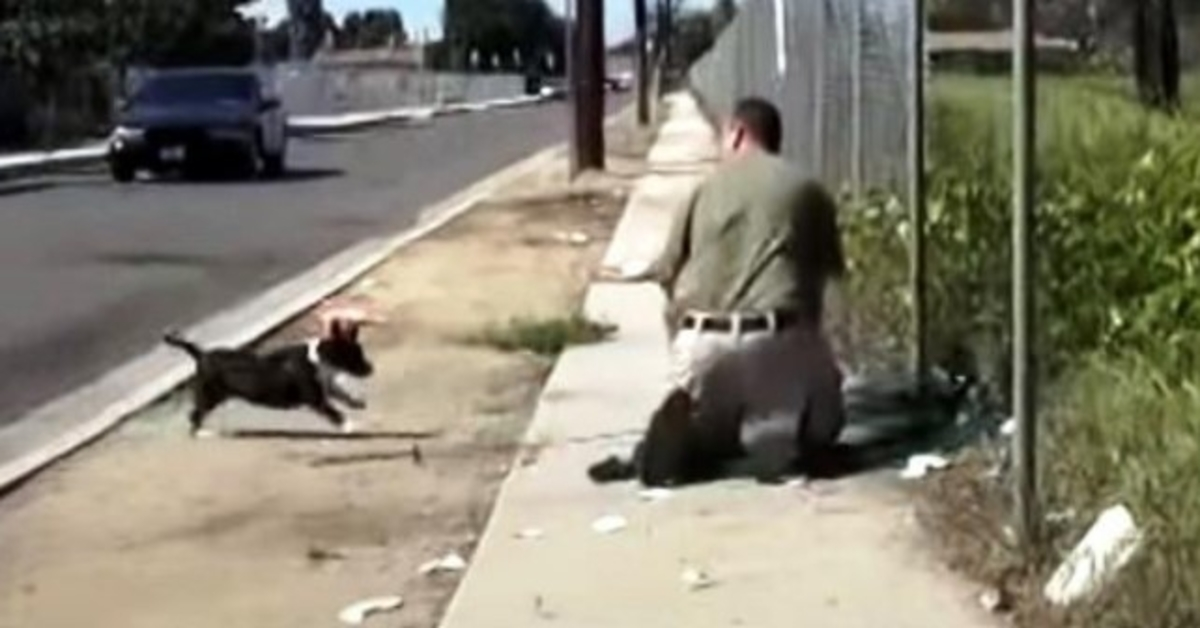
[[274, 165], [122, 170]]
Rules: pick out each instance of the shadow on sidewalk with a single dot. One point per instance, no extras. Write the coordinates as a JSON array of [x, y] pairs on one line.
[[281, 434]]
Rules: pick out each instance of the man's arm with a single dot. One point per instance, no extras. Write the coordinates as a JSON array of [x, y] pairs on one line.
[[675, 251]]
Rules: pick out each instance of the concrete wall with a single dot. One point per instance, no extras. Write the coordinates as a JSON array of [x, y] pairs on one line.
[[313, 90]]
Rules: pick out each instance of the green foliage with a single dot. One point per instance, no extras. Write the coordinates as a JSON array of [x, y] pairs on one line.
[[548, 337], [1124, 433], [1118, 293], [1118, 224]]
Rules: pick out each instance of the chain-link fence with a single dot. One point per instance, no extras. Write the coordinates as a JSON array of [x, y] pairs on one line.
[[839, 71]]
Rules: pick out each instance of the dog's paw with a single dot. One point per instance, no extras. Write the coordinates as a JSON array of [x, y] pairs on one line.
[[204, 434], [348, 427]]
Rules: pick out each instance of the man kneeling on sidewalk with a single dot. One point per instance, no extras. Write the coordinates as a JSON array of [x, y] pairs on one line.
[[745, 267]]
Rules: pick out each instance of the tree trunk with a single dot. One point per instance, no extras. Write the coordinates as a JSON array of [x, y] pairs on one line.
[[1156, 53]]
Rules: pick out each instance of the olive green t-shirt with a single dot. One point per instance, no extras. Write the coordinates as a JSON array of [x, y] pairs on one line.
[[737, 245]]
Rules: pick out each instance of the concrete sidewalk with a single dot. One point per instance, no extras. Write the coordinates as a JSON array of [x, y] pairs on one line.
[[829, 555]]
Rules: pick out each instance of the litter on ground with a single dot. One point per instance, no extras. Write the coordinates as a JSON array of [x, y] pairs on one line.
[[609, 524], [655, 494], [450, 562], [357, 613], [1107, 547], [531, 534], [920, 465]]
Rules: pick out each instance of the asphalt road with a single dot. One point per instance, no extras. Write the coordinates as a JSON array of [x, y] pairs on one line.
[[93, 272]]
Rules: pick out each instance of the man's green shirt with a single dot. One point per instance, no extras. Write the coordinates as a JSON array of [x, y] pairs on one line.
[[734, 247]]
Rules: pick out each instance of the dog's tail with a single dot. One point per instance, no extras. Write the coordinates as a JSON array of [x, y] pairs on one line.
[[174, 339], [612, 469]]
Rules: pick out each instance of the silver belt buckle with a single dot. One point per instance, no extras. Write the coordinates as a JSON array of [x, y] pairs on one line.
[[772, 322]]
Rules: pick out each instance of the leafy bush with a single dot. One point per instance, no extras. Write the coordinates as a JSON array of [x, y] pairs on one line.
[[1117, 234]]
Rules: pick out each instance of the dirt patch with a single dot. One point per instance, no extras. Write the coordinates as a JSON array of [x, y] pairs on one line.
[[152, 529]]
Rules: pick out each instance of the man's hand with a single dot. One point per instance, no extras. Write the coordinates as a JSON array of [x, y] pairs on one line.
[[629, 272]]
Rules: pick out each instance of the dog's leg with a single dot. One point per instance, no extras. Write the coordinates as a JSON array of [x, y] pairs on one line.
[[204, 402], [332, 414]]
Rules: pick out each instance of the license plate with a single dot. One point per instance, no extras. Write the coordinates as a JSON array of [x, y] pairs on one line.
[[173, 153]]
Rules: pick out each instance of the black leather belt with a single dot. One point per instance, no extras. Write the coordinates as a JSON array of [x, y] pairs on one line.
[[729, 323]]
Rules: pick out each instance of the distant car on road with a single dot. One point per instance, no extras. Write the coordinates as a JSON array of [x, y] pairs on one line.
[[622, 82], [193, 118]]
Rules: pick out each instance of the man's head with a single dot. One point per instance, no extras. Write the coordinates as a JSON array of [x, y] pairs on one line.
[[754, 125]]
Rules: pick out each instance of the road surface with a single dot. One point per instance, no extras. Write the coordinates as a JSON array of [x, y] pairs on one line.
[[93, 272]]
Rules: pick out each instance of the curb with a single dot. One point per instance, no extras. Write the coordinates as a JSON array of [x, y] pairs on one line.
[[55, 430], [298, 126]]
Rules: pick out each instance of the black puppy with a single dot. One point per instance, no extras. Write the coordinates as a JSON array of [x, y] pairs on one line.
[[301, 375]]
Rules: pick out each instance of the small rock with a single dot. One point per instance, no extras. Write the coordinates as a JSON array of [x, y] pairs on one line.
[[320, 554], [695, 579]]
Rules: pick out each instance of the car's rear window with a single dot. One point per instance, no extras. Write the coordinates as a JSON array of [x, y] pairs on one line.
[[197, 88]]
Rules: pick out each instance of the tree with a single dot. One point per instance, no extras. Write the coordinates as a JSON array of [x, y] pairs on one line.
[[382, 27], [500, 28], [723, 14], [306, 22]]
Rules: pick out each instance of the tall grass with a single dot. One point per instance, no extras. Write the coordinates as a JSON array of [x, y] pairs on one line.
[[1118, 292]]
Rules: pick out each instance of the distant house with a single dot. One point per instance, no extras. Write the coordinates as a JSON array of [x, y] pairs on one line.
[[991, 51]]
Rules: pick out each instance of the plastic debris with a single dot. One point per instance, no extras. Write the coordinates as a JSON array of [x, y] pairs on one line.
[[1110, 543], [531, 534], [357, 613], [609, 524], [450, 562], [995, 600], [655, 494], [920, 465], [577, 238], [696, 579]]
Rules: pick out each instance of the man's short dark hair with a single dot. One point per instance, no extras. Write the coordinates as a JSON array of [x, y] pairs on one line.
[[762, 120]]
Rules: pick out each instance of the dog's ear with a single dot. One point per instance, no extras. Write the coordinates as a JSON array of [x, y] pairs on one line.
[[344, 329]]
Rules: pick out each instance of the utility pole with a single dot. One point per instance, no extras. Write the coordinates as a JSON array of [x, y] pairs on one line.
[[642, 63], [1024, 330], [589, 101], [571, 59]]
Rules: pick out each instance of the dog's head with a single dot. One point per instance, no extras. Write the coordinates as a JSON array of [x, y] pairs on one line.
[[339, 348]]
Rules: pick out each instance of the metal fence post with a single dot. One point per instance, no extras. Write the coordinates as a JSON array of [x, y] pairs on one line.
[[1024, 394], [916, 183], [856, 95], [819, 92]]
